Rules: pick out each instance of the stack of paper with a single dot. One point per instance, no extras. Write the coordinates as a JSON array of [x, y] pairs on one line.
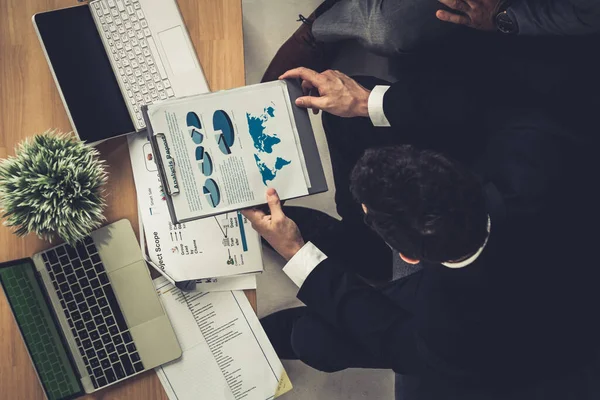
[[226, 353], [219, 253]]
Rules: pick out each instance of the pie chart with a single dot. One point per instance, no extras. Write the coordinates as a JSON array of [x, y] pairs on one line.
[[223, 145], [194, 127], [212, 193], [204, 161], [199, 153], [207, 165], [226, 137]]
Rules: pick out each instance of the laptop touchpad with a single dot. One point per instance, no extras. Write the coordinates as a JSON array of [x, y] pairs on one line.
[[136, 294], [179, 55]]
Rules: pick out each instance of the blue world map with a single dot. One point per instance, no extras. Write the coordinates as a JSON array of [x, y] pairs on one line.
[[264, 143]]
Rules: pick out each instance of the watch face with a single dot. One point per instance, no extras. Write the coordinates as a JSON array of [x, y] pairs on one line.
[[505, 24]]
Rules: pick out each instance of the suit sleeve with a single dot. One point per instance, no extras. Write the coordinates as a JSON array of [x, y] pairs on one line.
[[433, 109], [556, 17], [385, 330]]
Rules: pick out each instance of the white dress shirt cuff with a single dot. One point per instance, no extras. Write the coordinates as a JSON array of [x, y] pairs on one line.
[[375, 105], [303, 262]]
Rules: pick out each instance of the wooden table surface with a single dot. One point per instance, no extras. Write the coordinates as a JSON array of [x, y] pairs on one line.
[[30, 104]]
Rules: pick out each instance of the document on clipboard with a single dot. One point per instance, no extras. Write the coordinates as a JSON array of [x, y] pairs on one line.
[[219, 152]]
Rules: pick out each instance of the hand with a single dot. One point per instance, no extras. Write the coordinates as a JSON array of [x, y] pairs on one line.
[[338, 94], [281, 232], [477, 14]]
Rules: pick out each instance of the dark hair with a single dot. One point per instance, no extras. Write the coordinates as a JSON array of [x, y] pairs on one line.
[[421, 203]]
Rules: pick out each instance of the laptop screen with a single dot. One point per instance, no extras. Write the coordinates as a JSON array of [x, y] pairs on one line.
[[84, 73], [39, 329]]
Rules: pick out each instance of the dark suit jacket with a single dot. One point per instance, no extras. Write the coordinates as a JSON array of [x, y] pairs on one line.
[[556, 17], [525, 309]]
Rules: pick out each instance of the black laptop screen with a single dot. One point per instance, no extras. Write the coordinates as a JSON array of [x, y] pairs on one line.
[[84, 73]]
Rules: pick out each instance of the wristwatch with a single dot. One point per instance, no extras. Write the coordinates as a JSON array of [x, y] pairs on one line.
[[504, 22]]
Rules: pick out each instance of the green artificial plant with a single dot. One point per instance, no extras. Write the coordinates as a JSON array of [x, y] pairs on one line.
[[53, 186]]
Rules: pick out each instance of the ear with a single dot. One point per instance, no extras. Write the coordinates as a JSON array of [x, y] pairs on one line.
[[408, 260]]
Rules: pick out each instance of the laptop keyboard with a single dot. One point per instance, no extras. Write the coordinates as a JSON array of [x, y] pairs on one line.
[[44, 346], [134, 53], [94, 315]]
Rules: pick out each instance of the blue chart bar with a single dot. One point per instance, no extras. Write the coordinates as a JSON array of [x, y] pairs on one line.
[[242, 231]]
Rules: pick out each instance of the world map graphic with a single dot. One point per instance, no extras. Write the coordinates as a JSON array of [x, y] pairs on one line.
[[264, 143]]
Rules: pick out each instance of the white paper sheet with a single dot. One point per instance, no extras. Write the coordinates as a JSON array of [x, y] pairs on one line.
[[226, 283], [220, 284], [226, 354], [225, 149], [219, 246]]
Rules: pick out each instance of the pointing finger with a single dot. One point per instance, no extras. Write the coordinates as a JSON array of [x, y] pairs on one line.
[[304, 73], [453, 18]]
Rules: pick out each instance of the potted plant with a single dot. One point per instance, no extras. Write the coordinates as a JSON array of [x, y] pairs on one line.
[[53, 186]]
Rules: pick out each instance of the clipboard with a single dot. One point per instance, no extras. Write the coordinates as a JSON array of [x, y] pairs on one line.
[[166, 161]]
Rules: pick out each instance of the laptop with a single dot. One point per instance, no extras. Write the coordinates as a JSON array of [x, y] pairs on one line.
[[110, 57], [89, 314]]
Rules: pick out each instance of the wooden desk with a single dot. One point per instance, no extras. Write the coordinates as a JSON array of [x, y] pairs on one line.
[[30, 104]]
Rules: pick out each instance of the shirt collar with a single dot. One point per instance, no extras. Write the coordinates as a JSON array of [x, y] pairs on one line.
[[469, 260]]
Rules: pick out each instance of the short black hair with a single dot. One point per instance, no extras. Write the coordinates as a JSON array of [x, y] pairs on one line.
[[423, 204]]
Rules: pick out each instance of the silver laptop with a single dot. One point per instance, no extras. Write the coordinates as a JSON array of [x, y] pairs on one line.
[[110, 57], [89, 314]]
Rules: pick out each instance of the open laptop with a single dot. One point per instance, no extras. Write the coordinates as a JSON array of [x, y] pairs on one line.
[[110, 57], [89, 314]]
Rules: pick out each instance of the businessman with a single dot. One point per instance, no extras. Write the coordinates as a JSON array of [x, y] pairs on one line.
[[492, 198], [399, 27]]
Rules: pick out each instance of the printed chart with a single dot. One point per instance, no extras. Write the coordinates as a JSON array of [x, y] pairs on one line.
[[264, 141]]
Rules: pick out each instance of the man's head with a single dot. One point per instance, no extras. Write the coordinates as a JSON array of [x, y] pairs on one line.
[[424, 205]]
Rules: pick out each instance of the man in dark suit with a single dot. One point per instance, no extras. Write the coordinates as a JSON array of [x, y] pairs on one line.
[[493, 198], [395, 28]]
